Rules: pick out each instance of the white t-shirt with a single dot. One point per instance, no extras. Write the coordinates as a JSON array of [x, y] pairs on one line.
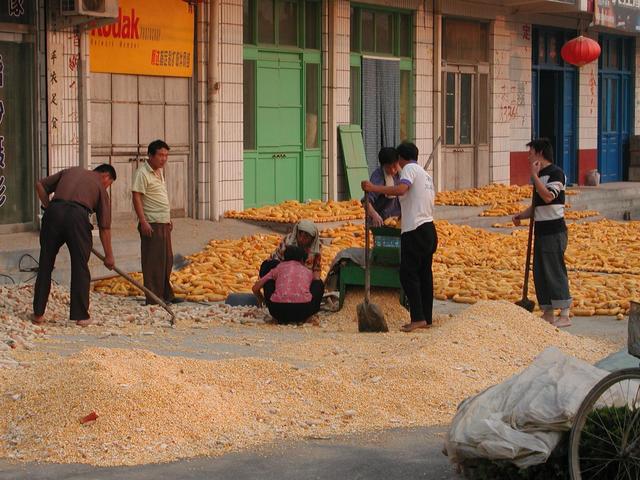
[[417, 203]]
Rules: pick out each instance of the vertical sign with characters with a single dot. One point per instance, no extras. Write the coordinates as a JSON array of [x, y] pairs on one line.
[[17, 114], [3, 164]]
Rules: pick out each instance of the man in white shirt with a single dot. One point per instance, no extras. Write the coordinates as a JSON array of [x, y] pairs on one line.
[[418, 241]]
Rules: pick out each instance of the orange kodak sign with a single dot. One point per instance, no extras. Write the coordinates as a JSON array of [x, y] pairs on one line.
[[150, 37]]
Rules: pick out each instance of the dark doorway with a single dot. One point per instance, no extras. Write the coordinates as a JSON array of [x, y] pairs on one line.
[[554, 105], [549, 107]]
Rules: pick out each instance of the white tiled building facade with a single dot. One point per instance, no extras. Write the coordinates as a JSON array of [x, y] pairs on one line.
[[209, 158]]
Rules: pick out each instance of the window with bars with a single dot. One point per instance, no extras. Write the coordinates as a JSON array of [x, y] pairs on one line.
[[465, 41], [617, 53], [381, 31], [282, 23], [465, 49], [270, 25], [466, 99]]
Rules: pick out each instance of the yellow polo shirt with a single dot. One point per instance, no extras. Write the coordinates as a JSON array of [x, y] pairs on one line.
[[155, 200]]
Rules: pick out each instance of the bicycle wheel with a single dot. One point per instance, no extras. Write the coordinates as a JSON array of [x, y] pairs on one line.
[[605, 438]]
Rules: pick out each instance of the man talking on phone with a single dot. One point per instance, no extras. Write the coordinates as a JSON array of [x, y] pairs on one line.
[[549, 270]]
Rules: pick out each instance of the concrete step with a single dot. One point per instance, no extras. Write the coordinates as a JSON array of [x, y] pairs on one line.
[[611, 203]]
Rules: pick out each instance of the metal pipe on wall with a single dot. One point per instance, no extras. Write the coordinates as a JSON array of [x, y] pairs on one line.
[[213, 87], [332, 126], [437, 87], [83, 97]]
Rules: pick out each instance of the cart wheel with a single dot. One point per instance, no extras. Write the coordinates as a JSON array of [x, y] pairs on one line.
[[605, 438]]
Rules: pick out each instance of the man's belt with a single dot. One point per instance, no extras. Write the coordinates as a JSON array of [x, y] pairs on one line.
[[71, 203]]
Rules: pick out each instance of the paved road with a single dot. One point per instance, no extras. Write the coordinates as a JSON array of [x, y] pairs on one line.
[[393, 454]]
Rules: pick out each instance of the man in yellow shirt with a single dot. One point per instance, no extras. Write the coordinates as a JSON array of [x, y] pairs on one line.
[[151, 203]]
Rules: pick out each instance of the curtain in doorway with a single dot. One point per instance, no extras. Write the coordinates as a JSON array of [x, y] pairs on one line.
[[380, 106]]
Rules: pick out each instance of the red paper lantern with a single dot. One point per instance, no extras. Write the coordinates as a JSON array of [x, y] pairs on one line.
[[580, 51]]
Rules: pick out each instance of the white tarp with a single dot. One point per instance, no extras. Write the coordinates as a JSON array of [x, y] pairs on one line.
[[521, 419]]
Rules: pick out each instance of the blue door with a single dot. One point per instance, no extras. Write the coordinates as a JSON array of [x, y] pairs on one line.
[[609, 145], [554, 106], [615, 102], [567, 153]]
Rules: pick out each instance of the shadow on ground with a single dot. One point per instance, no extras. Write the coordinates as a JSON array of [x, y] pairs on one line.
[[393, 454]]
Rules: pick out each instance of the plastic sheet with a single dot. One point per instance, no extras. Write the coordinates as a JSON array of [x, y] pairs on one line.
[[522, 418]]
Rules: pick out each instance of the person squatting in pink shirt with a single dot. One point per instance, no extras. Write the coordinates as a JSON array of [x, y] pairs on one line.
[[291, 293]]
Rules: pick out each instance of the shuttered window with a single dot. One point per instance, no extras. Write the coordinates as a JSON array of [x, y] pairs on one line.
[[465, 41]]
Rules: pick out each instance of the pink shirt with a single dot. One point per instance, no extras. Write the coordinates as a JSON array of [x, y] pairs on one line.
[[293, 280]]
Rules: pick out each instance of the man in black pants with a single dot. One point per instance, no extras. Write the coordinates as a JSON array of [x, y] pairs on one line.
[[418, 241], [77, 193]]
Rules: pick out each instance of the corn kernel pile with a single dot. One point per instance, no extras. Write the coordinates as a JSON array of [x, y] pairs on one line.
[[502, 209], [487, 195], [579, 214], [151, 408], [392, 222], [471, 264], [226, 266], [602, 258], [605, 246], [291, 211], [568, 215], [502, 199]]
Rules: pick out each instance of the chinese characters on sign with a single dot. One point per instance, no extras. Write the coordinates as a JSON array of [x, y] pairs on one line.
[[170, 58], [18, 120], [17, 11], [3, 164], [149, 37], [54, 87], [63, 66], [16, 8]]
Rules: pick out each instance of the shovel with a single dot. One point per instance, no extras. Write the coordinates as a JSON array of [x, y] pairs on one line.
[[524, 302], [370, 317], [141, 287]]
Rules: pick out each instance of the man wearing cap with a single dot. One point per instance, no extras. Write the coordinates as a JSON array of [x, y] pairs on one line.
[[76, 194]]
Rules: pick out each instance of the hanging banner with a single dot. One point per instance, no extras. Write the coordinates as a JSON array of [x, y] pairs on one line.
[[618, 14], [150, 37]]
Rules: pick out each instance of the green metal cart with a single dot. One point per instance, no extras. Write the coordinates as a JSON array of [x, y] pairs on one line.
[[385, 264]]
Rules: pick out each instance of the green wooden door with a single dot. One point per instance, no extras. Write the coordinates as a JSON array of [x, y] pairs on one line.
[[284, 162], [276, 177], [278, 127]]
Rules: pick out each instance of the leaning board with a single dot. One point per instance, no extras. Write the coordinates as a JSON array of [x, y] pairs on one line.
[[355, 160]]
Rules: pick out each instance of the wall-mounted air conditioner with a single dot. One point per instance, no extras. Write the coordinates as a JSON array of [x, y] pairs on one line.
[[90, 8]]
